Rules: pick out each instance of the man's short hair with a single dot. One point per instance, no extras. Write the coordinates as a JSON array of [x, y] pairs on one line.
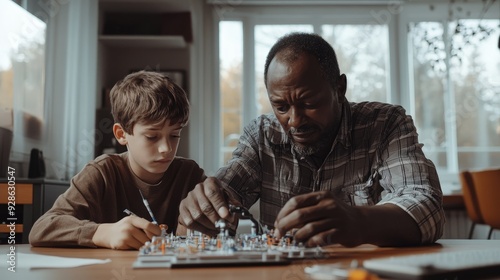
[[148, 97], [290, 46]]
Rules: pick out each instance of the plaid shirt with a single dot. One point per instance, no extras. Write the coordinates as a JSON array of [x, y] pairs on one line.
[[375, 159]]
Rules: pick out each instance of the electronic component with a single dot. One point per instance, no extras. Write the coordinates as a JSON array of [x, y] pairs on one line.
[[243, 213], [199, 250]]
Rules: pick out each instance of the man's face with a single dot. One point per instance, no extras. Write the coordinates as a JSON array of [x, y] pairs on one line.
[[304, 102]]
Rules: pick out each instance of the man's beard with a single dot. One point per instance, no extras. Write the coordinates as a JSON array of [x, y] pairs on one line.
[[324, 143]]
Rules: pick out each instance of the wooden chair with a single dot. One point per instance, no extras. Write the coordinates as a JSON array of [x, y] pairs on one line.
[[470, 201], [487, 188]]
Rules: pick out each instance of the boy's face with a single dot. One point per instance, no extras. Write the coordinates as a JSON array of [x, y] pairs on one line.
[[151, 148]]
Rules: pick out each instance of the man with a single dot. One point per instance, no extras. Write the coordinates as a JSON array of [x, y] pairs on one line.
[[333, 171]]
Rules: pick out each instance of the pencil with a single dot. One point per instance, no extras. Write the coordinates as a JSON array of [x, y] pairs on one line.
[[148, 208], [130, 213]]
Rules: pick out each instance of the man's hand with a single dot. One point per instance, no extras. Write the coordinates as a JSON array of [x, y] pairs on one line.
[[203, 206], [128, 233], [320, 219]]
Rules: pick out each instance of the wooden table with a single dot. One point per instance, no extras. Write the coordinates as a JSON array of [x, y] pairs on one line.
[[120, 268]]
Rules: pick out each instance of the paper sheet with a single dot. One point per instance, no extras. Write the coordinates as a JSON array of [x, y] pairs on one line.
[[34, 261]]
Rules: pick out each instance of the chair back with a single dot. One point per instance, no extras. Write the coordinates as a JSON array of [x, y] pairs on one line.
[[470, 198], [487, 186]]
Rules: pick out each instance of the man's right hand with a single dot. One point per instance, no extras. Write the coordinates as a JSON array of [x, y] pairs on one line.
[[203, 206]]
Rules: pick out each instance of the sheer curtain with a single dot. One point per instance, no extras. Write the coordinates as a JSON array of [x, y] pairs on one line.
[[71, 86]]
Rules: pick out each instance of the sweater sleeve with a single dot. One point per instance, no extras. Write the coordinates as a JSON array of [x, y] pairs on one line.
[[72, 219]]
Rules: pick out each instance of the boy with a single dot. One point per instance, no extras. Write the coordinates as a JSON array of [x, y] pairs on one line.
[[149, 111]]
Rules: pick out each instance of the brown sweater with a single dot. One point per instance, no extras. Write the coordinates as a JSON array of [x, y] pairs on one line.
[[100, 193]]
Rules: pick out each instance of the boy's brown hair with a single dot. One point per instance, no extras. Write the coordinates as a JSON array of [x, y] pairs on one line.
[[148, 97]]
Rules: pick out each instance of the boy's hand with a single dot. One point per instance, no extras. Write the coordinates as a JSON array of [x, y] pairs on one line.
[[128, 233]]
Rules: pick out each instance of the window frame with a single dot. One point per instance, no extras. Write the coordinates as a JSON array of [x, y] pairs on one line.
[[397, 18], [418, 13], [317, 15]]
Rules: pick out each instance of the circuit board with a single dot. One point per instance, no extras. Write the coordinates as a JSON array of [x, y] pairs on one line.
[[201, 251], [259, 247]]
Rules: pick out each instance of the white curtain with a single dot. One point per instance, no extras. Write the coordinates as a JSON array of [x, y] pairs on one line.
[[71, 55]]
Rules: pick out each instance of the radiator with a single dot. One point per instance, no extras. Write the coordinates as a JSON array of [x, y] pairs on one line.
[[457, 225]]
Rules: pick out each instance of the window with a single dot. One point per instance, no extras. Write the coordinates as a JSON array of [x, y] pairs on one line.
[[446, 73], [456, 92], [22, 78], [365, 66], [231, 85], [363, 55]]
